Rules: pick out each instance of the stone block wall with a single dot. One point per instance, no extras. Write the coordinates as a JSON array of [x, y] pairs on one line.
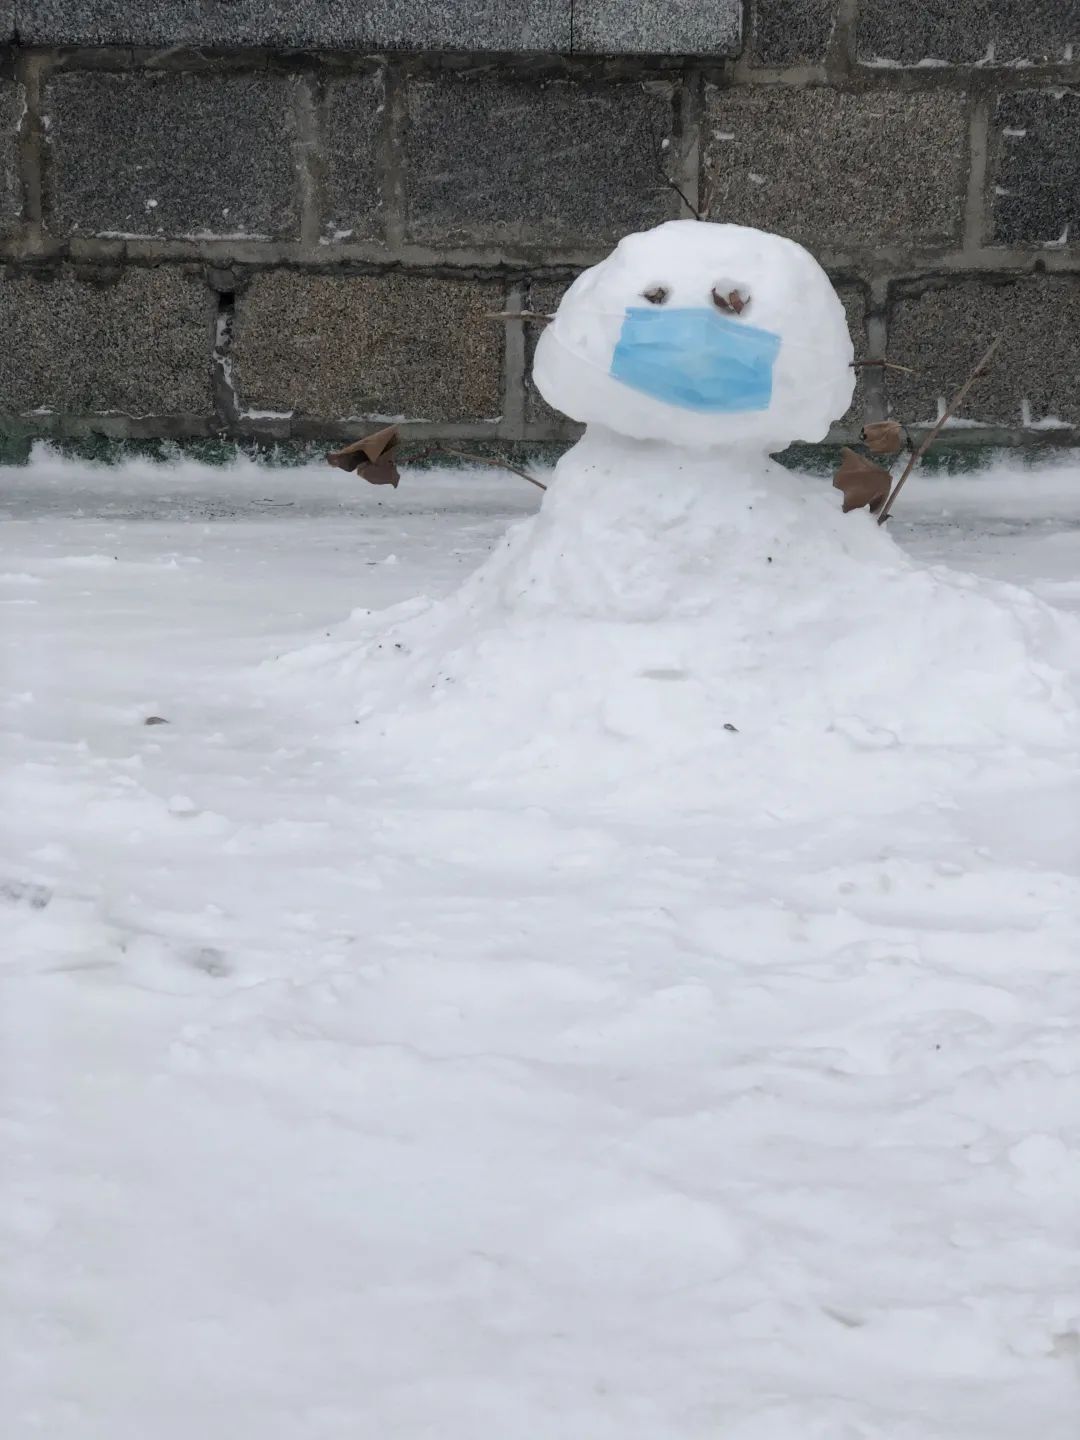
[[296, 218]]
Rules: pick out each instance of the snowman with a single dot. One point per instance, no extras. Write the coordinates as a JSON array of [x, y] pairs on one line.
[[685, 621], [692, 353]]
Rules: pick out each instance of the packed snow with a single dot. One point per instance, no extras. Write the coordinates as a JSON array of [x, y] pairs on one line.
[[531, 1060], [665, 602]]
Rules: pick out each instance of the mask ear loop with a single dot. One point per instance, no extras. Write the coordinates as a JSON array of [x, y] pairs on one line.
[[732, 320], [810, 388]]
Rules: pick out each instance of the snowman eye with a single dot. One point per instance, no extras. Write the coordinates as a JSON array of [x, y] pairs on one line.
[[657, 295], [732, 302]]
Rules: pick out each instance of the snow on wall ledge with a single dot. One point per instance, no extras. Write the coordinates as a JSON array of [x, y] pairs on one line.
[[364, 215]]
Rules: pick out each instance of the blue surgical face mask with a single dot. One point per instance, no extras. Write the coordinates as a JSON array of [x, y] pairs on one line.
[[696, 359]]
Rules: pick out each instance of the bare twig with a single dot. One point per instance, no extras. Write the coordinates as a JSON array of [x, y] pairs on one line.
[[953, 405], [477, 459], [498, 464], [664, 177], [706, 185], [880, 364], [534, 317], [673, 185]]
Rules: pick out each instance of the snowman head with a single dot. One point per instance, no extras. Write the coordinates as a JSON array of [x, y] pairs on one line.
[[701, 335]]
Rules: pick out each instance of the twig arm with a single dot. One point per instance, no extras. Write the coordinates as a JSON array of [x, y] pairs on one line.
[[879, 364], [953, 405], [477, 459], [531, 317]]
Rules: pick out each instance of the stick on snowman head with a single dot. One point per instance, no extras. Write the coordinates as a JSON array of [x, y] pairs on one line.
[[701, 335]]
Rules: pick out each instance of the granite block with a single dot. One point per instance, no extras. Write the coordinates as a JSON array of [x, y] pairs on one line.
[[657, 27], [491, 158], [494, 25], [138, 344], [151, 153], [1034, 169], [966, 32], [12, 109], [783, 33], [353, 111], [854, 302], [942, 330], [395, 346], [886, 167]]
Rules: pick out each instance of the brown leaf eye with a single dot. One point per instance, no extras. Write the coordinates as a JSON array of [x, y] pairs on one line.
[[733, 303], [657, 295]]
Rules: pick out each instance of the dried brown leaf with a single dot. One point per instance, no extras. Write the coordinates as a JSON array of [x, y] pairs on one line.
[[347, 459], [861, 482], [733, 302], [370, 449], [884, 437], [382, 471]]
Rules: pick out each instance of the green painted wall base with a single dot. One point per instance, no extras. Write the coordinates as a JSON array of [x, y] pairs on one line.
[[17, 449]]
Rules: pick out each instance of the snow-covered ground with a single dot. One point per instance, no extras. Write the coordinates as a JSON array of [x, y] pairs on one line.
[[341, 1101]]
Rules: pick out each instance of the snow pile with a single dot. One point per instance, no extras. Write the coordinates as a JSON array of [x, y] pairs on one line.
[[336, 1106], [685, 622], [661, 598]]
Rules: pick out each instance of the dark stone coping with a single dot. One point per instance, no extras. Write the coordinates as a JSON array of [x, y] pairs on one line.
[[710, 27]]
